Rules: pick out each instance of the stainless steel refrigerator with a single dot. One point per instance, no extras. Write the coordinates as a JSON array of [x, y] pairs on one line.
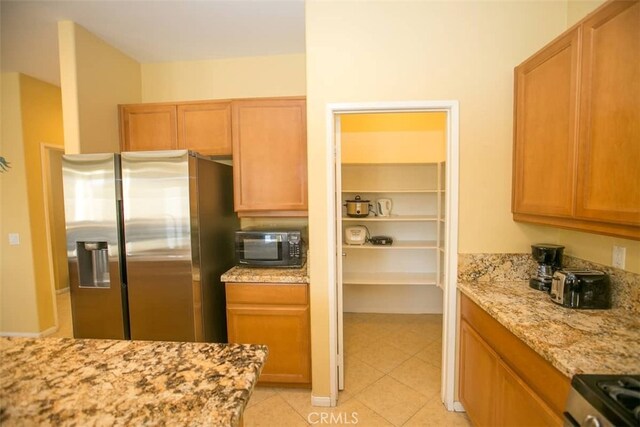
[[148, 236]]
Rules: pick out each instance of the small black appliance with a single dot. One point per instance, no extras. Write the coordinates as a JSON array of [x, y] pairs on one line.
[[581, 289], [549, 259]]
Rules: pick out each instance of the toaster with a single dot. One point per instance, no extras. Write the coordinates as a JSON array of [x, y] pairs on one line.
[[581, 289], [356, 235]]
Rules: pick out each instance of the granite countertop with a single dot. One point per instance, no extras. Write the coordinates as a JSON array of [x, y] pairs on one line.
[[574, 341], [63, 381], [267, 275]]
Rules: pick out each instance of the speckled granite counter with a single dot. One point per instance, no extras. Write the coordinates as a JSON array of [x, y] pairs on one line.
[[267, 275], [574, 341], [61, 381]]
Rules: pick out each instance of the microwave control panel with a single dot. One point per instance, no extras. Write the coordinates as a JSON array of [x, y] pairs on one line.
[[294, 246]]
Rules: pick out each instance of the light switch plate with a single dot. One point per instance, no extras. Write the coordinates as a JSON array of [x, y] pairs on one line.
[[619, 254], [14, 239]]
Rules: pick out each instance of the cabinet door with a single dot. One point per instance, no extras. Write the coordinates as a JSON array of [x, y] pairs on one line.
[[270, 155], [608, 187], [148, 127], [205, 128], [545, 122], [478, 377], [518, 405], [284, 329]]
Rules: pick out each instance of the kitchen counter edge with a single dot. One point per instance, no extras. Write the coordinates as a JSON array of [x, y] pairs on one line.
[[240, 274], [573, 341]]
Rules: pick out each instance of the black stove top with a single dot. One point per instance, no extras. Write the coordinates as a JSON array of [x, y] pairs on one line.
[[615, 396]]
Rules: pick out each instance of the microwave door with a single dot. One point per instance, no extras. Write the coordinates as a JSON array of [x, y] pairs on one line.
[[263, 249]]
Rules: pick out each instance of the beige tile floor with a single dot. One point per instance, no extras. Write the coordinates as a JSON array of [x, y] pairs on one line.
[[392, 378]]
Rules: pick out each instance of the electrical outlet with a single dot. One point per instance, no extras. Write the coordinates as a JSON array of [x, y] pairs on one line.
[[14, 239], [618, 256]]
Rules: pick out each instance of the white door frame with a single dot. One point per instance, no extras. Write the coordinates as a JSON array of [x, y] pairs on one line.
[[449, 327]]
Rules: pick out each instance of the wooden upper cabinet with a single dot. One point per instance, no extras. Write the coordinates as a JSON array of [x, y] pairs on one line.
[[609, 142], [148, 127], [576, 160], [270, 156], [545, 119], [205, 128]]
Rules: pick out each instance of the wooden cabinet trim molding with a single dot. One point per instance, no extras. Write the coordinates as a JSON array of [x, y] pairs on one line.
[[614, 230], [545, 380]]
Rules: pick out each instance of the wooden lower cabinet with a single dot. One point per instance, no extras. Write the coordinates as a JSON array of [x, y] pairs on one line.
[[276, 315], [478, 378], [502, 381], [518, 404]]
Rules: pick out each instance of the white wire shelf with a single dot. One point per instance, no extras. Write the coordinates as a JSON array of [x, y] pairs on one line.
[[397, 244], [389, 278]]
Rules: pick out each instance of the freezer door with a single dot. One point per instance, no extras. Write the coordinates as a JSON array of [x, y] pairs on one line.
[[158, 245], [98, 294]]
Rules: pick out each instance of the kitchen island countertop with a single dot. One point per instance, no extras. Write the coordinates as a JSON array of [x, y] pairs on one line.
[[62, 381], [573, 341]]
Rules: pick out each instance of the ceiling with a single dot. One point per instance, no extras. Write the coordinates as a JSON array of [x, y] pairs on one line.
[[150, 31]]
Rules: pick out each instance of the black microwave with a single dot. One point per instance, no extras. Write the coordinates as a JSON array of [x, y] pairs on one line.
[[270, 248]]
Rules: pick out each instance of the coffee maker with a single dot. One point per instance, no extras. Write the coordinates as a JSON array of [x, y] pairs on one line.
[[549, 259]]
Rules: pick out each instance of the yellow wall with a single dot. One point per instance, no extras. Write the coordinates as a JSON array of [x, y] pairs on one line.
[[18, 305], [578, 9], [393, 137], [394, 51], [42, 124], [95, 78], [263, 76], [32, 115], [278, 75]]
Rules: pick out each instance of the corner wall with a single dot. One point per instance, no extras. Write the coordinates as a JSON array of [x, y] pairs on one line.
[[95, 77], [397, 51], [32, 116], [18, 305]]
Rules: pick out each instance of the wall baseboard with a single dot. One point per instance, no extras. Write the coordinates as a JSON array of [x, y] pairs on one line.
[[457, 406], [324, 401], [47, 332]]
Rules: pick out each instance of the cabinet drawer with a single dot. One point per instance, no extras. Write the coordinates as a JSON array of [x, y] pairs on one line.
[[260, 293]]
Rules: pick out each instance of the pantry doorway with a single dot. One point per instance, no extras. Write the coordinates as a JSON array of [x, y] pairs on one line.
[[411, 231]]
